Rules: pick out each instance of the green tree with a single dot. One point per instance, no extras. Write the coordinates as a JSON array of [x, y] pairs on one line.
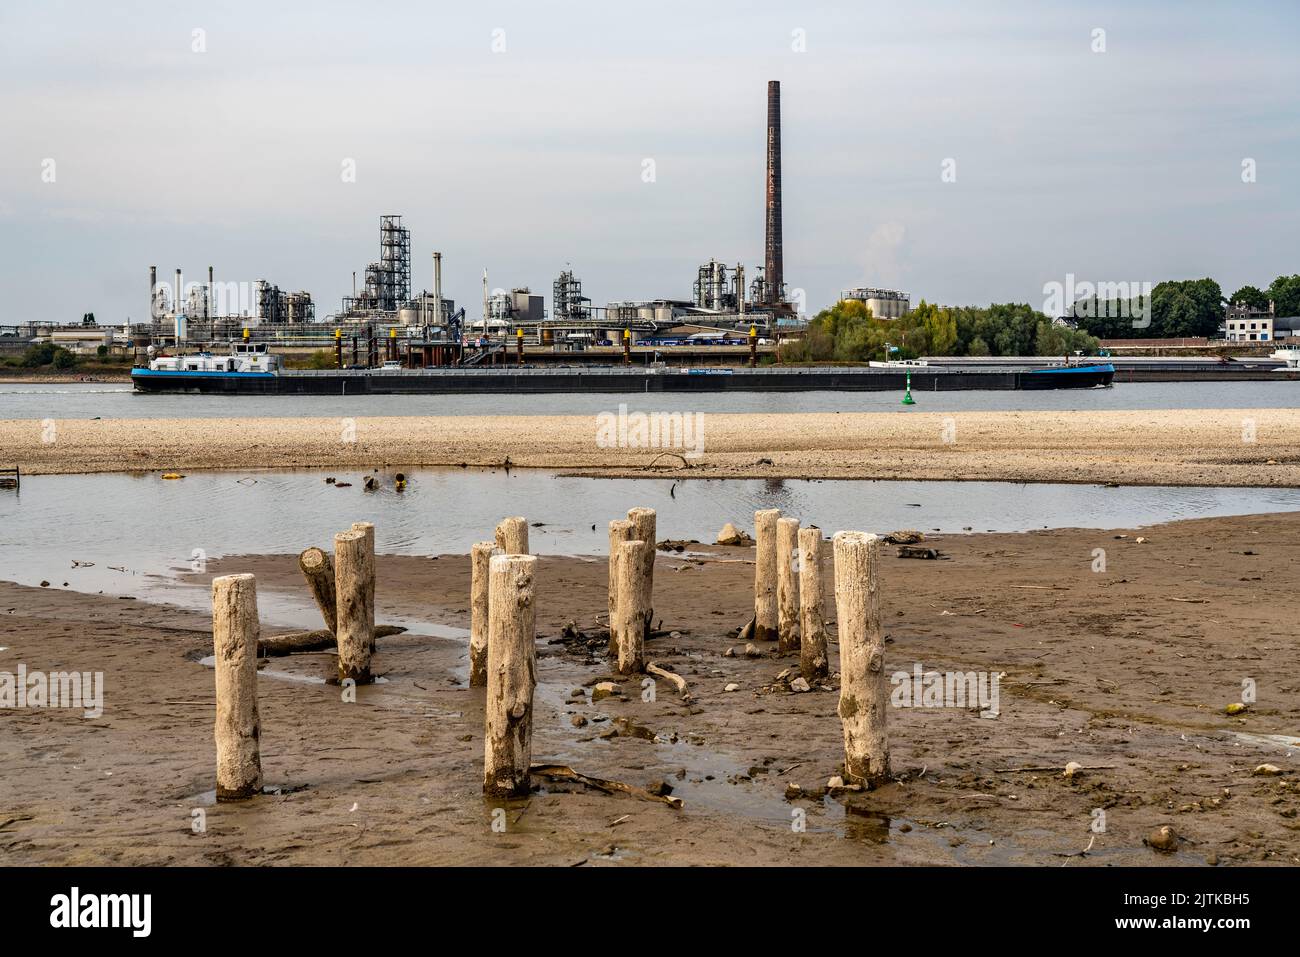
[[63, 359], [1192, 307], [1285, 293], [1251, 296], [978, 347], [39, 354]]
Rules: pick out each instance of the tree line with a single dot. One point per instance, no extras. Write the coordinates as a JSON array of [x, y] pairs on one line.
[[848, 332], [1187, 308]]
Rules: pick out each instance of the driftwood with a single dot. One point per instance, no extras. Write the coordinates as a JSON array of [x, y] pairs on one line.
[[562, 772], [917, 551], [293, 642], [677, 680], [318, 568], [1053, 767]]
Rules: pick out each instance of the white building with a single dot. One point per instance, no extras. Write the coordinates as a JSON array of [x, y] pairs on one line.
[[1242, 323], [883, 303]]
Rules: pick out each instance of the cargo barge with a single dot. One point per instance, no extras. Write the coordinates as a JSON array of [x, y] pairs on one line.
[[262, 375]]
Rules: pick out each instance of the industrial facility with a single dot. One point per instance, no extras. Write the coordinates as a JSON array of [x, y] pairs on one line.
[[426, 327]]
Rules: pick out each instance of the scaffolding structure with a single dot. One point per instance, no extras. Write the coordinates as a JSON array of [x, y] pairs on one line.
[[568, 304], [387, 282]]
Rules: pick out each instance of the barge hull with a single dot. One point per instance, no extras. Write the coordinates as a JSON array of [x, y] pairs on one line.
[[525, 381]]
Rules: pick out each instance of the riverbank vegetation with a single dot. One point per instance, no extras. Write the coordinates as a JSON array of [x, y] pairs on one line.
[[848, 332]]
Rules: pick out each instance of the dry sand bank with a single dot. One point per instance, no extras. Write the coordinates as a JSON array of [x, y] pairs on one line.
[[1104, 668], [1178, 447]]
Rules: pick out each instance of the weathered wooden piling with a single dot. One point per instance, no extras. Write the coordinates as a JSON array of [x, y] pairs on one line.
[[512, 675], [630, 610], [813, 663], [480, 557], [864, 692], [644, 529], [368, 529], [512, 536], [787, 585], [235, 632], [354, 575], [319, 571], [765, 614], [620, 530]]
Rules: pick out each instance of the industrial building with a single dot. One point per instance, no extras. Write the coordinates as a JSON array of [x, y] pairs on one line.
[[383, 304], [883, 303]]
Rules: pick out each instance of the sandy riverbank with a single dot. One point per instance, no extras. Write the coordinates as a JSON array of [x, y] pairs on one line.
[[1127, 670], [1223, 447]]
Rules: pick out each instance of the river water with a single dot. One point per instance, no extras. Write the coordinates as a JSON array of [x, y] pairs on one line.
[[88, 400], [139, 530]]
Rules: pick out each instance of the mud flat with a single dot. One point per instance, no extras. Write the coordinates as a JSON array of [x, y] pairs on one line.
[[1214, 447], [1126, 671]]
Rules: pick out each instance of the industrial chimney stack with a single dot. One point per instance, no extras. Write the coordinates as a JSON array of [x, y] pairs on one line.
[[773, 247]]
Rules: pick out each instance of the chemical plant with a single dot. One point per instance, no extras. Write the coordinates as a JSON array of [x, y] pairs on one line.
[[425, 327]]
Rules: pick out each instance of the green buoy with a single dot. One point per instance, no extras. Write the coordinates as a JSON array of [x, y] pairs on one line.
[[907, 396]]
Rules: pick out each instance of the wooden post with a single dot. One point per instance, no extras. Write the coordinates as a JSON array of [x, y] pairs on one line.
[[630, 609], [368, 529], [235, 631], [512, 675], [480, 556], [864, 692], [512, 536], [354, 573], [765, 574], [787, 584], [813, 664], [619, 531], [319, 571], [643, 528]]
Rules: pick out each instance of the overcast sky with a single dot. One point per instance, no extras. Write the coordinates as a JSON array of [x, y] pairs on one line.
[[1123, 165]]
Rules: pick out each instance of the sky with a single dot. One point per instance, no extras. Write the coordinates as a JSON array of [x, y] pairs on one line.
[[1114, 142]]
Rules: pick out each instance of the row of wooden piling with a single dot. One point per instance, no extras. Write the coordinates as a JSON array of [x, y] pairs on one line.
[[788, 608]]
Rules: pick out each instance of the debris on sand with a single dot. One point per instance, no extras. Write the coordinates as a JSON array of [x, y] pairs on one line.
[[676, 544], [604, 689], [562, 772], [730, 535], [1267, 770], [1236, 708], [916, 551], [906, 536], [678, 681], [1164, 839]]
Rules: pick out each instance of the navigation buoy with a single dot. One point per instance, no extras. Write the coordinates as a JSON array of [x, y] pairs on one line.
[[907, 396]]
